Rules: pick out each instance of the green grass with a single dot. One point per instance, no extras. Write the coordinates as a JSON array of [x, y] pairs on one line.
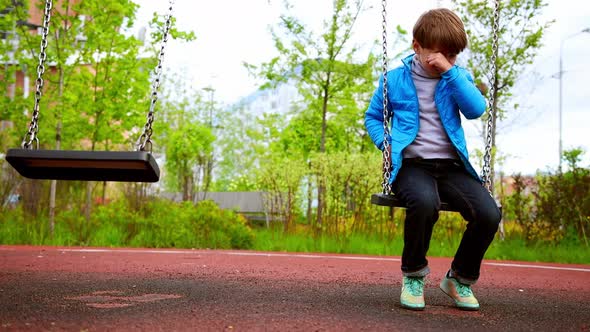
[[517, 249], [446, 238], [268, 240], [508, 249]]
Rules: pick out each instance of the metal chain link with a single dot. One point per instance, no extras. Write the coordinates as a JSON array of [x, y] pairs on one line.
[[487, 166], [145, 140], [386, 147], [31, 135]]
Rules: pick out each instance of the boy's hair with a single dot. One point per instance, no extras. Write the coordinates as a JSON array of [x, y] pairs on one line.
[[441, 28]]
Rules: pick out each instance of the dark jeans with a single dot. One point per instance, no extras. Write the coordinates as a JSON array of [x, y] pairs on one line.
[[422, 184]]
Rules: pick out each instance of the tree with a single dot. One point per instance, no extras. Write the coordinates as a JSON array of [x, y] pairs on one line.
[[96, 89], [519, 37], [187, 153], [246, 147], [59, 66], [186, 133], [323, 69]]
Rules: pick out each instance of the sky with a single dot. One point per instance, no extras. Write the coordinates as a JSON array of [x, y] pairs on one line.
[[232, 32]]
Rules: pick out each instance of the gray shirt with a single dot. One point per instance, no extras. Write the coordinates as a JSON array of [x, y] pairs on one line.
[[432, 142]]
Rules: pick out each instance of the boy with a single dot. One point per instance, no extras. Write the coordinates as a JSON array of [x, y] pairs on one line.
[[429, 156]]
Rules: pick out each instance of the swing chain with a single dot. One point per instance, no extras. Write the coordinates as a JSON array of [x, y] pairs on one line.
[[386, 146], [31, 135], [487, 167], [145, 140]]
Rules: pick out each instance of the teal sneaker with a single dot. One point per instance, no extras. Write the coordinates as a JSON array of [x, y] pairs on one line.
[[412, 296], [461, 293]]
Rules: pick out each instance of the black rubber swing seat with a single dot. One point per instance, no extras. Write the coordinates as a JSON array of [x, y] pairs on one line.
[[122, 166], [393, 201]]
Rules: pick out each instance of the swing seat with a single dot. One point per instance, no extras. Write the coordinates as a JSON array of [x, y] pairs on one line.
[[122, 166], [392, 201]]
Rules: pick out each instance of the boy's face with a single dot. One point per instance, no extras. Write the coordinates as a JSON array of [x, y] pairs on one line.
[[434, 60]]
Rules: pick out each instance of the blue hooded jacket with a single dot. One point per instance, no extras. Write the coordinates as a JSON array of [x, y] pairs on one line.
[[454, 93]]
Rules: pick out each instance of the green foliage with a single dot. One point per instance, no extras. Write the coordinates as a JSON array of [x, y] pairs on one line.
[[157, 24], [447, 233], [551, 208], [334, 88], [247, 147], [73, 222], [16, 227], [519, 38], [187, 130], [330, 83], [160, 223], [12, 229], [188, 152], [186, 225], [519, 205], [282, 179], [99, 93], [349, 181], [112, 93], [563, 201], [520, 33], [112, 225], [98, 89]]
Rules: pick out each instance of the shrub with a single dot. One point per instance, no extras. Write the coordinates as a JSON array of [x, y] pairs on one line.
[[562, 202], [185, 225]]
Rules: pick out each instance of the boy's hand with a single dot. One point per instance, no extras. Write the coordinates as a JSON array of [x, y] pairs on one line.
[[439, 62]]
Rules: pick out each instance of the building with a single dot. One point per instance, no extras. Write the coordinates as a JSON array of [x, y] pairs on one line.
[[10, 39], [278, 100]]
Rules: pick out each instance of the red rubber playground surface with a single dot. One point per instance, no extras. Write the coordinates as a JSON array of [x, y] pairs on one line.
[[101, 289]]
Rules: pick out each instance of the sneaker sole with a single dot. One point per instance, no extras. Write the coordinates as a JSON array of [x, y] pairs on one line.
[[411, 307]]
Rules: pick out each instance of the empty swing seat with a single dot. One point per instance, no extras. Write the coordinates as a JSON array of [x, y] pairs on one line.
[[122, 166], [392, 201]]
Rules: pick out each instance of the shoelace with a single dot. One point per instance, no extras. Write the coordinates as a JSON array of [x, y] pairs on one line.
[[463, 290], [415, 286]]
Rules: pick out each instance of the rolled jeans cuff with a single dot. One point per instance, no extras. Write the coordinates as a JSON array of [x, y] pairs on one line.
[[423, 272], [459, 278]]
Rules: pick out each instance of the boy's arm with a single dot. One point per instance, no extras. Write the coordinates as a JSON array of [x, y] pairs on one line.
[[374, 117], [470, 100]]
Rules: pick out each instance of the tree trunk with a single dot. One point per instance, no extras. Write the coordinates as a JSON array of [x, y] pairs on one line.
[[208, 176], [309, 201], [321, 187], [104, 192], [324, 115], [185, 185], [53, 186], [88, 203]]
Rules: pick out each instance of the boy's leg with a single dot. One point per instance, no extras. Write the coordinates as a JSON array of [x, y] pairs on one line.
[[416, 186], [482, 214]]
